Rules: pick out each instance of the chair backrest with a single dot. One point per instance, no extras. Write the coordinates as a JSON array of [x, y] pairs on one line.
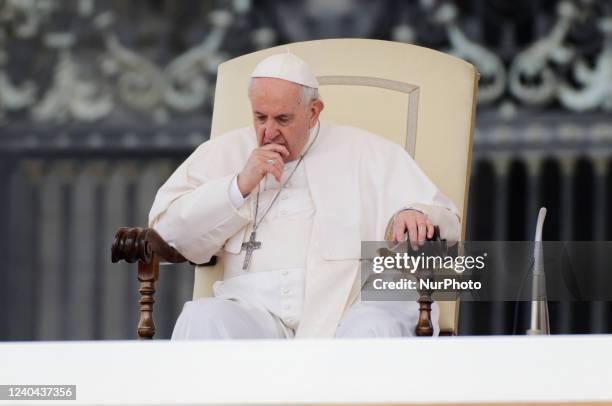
[[422, 99]]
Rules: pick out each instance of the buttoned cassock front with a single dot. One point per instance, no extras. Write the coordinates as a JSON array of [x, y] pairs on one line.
[[357, 181], [277, 268]]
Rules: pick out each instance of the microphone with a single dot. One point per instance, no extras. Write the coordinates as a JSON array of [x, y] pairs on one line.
[[540, 323]]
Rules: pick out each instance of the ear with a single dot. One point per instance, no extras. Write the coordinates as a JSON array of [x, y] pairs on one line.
[[316, 107]]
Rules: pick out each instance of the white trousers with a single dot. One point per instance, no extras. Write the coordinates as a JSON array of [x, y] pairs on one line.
[[216, 318]]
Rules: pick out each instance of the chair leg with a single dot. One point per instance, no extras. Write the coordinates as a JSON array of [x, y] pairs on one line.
[[147, 276], [424, 326]]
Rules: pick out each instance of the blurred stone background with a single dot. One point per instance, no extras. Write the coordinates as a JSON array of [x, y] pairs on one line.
[[101, 99]]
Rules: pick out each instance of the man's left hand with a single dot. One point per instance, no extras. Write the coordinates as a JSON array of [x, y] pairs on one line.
[[417, 225]]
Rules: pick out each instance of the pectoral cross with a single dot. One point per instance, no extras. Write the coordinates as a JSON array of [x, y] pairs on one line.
[[249, 246]]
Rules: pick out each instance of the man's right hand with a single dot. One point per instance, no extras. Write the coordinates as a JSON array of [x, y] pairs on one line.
[[258, 166]]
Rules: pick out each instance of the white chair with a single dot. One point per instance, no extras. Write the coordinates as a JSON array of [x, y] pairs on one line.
[[420, 98]]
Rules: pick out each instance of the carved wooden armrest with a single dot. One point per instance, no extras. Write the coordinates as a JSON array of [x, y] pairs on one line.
[[141, 244], [147, 247], [424, 325]]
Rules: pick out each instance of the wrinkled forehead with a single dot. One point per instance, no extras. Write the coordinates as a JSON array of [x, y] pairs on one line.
[[274, 92]]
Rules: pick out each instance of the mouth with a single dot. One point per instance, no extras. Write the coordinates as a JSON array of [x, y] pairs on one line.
[[284, 144]]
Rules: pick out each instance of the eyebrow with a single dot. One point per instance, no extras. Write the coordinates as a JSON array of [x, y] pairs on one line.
[[285, 116]]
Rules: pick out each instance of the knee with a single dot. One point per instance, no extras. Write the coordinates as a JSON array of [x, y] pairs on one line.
[[203, 305], [206, 310], [372, 324], [200, 318]]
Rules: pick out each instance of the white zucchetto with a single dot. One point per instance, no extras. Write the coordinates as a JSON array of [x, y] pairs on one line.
[[288, 67]]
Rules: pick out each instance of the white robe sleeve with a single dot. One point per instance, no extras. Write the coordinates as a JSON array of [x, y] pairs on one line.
[[443, 217], [401, 184], [194, 213]]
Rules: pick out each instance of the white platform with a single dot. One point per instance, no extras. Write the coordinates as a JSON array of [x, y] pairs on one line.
[[402, 371]]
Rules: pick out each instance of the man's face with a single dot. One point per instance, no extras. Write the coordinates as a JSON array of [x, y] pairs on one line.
[[280, 115]]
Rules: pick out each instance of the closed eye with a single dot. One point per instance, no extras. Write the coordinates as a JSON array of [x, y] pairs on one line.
[[284, 118]]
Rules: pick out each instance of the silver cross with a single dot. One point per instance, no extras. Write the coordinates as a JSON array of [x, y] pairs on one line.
[[249, 246]]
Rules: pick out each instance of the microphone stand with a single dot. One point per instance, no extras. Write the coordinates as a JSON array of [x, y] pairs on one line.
[[540, 323]]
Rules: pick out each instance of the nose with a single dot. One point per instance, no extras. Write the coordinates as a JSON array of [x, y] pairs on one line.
[[271, 132]]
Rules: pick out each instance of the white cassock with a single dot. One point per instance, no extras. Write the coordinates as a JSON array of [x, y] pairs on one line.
[[304, 281]]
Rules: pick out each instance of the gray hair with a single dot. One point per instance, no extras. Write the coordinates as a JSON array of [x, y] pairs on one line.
[[308, 94]]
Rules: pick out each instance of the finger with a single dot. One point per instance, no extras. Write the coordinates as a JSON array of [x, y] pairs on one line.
[[281, 149], [273, 170], [268, 156], [277, 175], [430, 230], [413, 233], [399, 228], [279, 166], [422, 232]]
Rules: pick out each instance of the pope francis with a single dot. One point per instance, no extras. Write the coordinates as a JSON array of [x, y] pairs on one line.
[[286, 205]]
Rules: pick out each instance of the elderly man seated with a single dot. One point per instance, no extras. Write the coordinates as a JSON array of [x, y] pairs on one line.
[[286, 205]]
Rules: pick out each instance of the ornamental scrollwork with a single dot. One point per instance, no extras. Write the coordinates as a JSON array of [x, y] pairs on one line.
[[89, 60]]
